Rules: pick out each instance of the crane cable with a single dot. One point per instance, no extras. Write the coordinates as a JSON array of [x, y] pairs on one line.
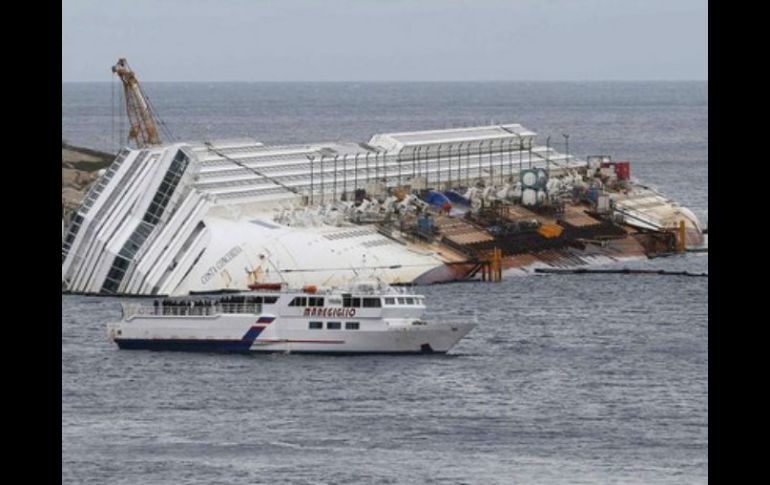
[[154, 114], [152, 111], [253, 170]]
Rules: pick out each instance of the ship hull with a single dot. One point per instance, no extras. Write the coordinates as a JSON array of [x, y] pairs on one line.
[[237, 334]]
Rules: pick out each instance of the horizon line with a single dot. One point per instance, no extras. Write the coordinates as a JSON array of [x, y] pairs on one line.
[[405, 81]]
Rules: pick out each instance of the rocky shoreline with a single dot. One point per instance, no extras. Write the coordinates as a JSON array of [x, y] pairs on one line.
[[81, 167]]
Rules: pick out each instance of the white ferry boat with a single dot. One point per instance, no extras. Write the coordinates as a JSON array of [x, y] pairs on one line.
[[365, 318]]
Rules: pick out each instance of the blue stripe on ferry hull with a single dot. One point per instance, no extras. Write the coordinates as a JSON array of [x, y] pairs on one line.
[[252, 334], [189, 345], [194, 345]]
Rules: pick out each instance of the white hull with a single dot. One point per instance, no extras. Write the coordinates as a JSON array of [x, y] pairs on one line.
[[646, 209], [231, 333]]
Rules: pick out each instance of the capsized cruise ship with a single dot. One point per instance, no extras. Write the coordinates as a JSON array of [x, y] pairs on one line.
[[186, 217], [179, 218], [198, 217]]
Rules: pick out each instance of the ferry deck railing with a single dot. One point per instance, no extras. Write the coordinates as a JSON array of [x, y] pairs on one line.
[[134, 309]]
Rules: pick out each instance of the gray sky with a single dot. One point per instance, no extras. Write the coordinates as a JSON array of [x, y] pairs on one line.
[[388, 40]]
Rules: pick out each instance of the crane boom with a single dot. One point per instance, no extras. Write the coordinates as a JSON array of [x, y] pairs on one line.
[[144, 129]]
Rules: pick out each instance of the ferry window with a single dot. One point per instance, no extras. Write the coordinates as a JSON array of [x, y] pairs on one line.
[[315, 301], [271, 299], [351, 325], [390, 301], [315, 325], [372, 303], [333, 325], [294, 301], [346, 301], [299, 301], [356, 302], [402, 301], [410, 301]]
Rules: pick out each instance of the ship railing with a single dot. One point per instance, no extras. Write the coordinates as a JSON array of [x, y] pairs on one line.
[[254, 308], [132, 310]]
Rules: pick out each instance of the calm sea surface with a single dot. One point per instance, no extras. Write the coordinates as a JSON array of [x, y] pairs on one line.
[[568, 379]]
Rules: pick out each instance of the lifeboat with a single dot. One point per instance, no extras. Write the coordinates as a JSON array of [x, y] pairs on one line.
[[266, 286], [309, 289]]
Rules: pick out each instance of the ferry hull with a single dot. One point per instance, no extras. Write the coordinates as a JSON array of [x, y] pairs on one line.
[[397, 338], [187, 345], [435, 338]]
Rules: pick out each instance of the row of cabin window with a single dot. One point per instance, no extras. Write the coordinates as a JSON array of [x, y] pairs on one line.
[[408, 300], [333, 325], [357, 302], [303, 301], [347, 302]]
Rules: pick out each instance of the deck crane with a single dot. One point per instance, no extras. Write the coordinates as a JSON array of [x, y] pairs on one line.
[[144, 129]]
